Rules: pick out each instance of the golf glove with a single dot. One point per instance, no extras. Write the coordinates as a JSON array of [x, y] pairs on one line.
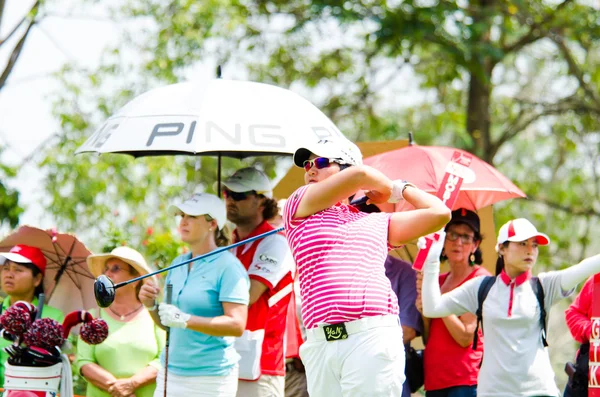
[[398, 190], [171, 316], [433, 256]]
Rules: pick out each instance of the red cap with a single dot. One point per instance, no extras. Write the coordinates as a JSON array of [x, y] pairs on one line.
[[26, 254]]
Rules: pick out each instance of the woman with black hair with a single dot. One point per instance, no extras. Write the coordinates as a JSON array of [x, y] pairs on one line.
[[516, 361], [451, 366], [23, 280]]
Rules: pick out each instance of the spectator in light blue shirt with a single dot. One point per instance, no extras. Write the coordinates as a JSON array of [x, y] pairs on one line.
[[209, 306]]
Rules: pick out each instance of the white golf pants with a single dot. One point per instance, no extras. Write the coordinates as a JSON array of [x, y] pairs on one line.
[[369, 363]]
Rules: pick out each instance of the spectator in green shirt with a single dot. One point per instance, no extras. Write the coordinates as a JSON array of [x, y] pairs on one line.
[[22, 280], [127, 362]]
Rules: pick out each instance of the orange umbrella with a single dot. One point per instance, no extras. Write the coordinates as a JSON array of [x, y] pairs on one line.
[[68, 283]]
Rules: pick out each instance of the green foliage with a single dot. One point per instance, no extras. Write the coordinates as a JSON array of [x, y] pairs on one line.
[[514, 82], [9, 198], [158, 247]]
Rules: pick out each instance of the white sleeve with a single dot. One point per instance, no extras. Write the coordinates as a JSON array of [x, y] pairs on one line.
[[570, 277], [552, 284], [458, 301], [272, 261]]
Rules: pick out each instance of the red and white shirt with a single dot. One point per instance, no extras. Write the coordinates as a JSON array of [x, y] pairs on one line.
[[445, 362], [340, 255], [269, 261]]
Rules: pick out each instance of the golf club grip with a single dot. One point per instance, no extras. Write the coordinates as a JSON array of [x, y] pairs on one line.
[[40, 307], [359, 201], [214, 252], [168, 300], [169, 294]]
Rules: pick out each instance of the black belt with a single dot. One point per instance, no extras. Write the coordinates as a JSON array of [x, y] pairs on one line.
[[294, 365]]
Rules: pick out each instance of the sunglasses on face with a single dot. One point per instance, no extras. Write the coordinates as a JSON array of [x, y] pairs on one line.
[[237, 196], [319, 162], [465, 238]]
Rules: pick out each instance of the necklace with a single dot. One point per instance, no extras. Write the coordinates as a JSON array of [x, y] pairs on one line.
[[122, 316]]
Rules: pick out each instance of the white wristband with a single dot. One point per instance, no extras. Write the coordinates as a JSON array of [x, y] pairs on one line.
[[398, 190], [152, 308]]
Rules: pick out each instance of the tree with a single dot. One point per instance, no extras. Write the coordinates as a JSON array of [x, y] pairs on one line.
[[514, 82], [9, 198]]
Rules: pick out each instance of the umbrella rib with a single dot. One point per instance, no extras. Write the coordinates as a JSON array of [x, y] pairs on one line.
[[74, 281], [63, 266], [74, 268], [85, 273]]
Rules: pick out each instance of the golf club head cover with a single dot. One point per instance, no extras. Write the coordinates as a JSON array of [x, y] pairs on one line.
[[45, 333], [75, 318], [18, 318], [94, 332]]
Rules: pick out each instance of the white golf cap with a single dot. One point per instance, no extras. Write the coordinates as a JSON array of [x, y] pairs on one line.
[[520, 230], [97, 262], [202, 204], [248, 179], [341, 150]]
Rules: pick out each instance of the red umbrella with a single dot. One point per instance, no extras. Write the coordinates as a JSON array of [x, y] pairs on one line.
[[68, 283], [425, 166]]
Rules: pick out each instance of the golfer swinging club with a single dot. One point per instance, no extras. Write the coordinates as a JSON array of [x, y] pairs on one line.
[[349, 308]]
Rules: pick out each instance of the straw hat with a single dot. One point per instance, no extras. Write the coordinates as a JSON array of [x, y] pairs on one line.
[[96, 263]]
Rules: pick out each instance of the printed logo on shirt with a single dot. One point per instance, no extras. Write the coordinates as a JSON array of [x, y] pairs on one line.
[[262, 268], [268, 259]]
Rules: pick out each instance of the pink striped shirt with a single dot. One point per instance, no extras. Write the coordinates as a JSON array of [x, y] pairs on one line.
[[340, 256]]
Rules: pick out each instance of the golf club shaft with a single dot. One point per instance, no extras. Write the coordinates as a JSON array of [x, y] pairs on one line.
[[218, 250], [168, 299]]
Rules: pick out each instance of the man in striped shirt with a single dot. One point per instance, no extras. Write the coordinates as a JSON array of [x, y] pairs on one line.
[[349, 308]]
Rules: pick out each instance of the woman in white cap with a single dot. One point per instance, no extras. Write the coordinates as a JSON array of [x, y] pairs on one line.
[[348, 306], [515, 360], [23, 280], [127, 362], [209, 305]]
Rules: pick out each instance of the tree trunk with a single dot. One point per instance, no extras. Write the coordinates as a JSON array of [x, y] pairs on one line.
[[478, 116], [480, 87]]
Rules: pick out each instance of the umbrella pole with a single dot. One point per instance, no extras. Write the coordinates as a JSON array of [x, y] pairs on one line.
[[219, 175]]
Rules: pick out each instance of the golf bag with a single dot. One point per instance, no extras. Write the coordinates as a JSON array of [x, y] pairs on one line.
[[34, 381]]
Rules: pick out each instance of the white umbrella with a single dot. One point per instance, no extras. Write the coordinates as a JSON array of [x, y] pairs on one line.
[[221, 117]]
